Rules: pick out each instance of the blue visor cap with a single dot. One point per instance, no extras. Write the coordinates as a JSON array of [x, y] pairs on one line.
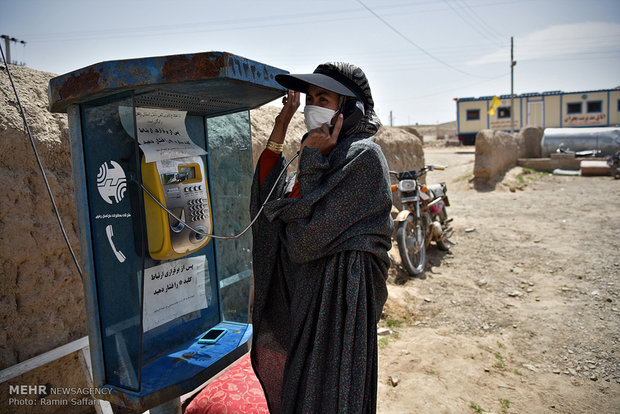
[[301, 82]]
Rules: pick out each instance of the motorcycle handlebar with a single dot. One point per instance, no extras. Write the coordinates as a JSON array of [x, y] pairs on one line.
[[414, 174]]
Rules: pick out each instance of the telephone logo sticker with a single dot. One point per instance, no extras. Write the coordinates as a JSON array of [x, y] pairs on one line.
[[111, 182], [110, 233]]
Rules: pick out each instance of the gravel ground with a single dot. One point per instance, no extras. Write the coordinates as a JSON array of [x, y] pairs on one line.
[[522, 316]]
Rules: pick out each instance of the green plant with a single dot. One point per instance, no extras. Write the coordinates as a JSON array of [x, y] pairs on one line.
[[465, 177], [383, 342], [530, 174], [505, 403], [431, 371], [393, 323], [476, 407], [516, 371], [501, 362]]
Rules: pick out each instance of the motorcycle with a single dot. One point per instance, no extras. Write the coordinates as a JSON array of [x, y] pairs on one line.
[[422, 218], [614, 165]]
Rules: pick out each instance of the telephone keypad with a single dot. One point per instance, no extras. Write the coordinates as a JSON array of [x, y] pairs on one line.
[[198, 209]]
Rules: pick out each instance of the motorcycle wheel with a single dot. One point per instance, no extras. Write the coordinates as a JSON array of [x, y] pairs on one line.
[[411, 245], [443, 244]]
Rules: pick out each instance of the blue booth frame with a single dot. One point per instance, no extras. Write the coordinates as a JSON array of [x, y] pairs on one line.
[[206, 85]]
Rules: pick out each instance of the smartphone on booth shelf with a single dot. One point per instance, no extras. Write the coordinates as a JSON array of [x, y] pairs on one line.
[[212, 335]]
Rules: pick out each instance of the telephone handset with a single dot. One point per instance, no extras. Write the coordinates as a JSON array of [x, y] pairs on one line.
[[180, 185], [352, 111]]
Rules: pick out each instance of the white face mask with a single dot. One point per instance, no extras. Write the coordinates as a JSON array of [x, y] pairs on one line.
[[315, 116]]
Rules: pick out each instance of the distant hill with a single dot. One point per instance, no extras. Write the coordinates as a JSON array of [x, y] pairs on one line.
[[450, 124], [447, 130]]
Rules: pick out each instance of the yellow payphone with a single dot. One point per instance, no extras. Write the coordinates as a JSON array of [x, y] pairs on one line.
[[180, 185]]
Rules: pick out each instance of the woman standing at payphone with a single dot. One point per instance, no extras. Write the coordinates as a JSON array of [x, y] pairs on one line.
[[320, 250]]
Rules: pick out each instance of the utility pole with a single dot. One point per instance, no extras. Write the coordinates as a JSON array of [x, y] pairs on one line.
[[391, 119], [7, 46], [512, 87]]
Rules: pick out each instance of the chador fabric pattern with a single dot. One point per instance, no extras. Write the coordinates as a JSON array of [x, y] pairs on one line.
[[320, 268]]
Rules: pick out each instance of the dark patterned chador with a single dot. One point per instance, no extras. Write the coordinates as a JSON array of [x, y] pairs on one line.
[[320, 267]]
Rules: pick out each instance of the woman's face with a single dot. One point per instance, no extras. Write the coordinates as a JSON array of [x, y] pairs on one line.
[[322, 97]]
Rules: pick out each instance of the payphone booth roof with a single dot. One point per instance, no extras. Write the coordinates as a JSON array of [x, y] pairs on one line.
[[207, 83]]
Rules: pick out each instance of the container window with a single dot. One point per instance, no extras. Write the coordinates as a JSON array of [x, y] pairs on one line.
[[473, 114], [595, 106], [503, 112], [573, 108]]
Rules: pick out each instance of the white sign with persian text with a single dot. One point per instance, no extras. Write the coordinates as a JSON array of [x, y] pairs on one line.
[[162, 134], [174, 289]]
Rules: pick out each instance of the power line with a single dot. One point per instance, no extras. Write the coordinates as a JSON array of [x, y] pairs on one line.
[[444, 91], [414, 44], [568, 58], [404, 8], [468, 22], [7, 43], [36, 154], [233, 24], [339, 15], [484, 25]]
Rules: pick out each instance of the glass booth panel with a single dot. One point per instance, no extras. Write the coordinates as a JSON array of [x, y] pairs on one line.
[[230, 160], [113, 199]]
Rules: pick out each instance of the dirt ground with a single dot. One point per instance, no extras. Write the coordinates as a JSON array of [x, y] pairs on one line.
[[522, 316]]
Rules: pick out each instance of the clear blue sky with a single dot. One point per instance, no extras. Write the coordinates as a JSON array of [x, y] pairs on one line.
[[418, 55]]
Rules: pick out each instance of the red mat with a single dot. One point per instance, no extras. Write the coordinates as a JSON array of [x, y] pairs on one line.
[[237, 391]]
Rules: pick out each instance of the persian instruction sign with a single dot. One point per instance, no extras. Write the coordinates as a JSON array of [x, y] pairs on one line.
[[174, 289], [161, 133]]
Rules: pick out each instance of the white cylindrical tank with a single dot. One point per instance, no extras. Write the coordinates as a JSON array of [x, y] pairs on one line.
[[607, 140]]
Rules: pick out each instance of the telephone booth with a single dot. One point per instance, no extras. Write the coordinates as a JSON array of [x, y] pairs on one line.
[[162, 158]]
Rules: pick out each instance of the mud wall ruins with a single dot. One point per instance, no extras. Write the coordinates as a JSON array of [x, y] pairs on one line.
[[41, 297], [498, 151]]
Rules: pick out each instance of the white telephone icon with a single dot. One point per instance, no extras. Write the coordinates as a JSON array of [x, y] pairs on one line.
[[119, 255]]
